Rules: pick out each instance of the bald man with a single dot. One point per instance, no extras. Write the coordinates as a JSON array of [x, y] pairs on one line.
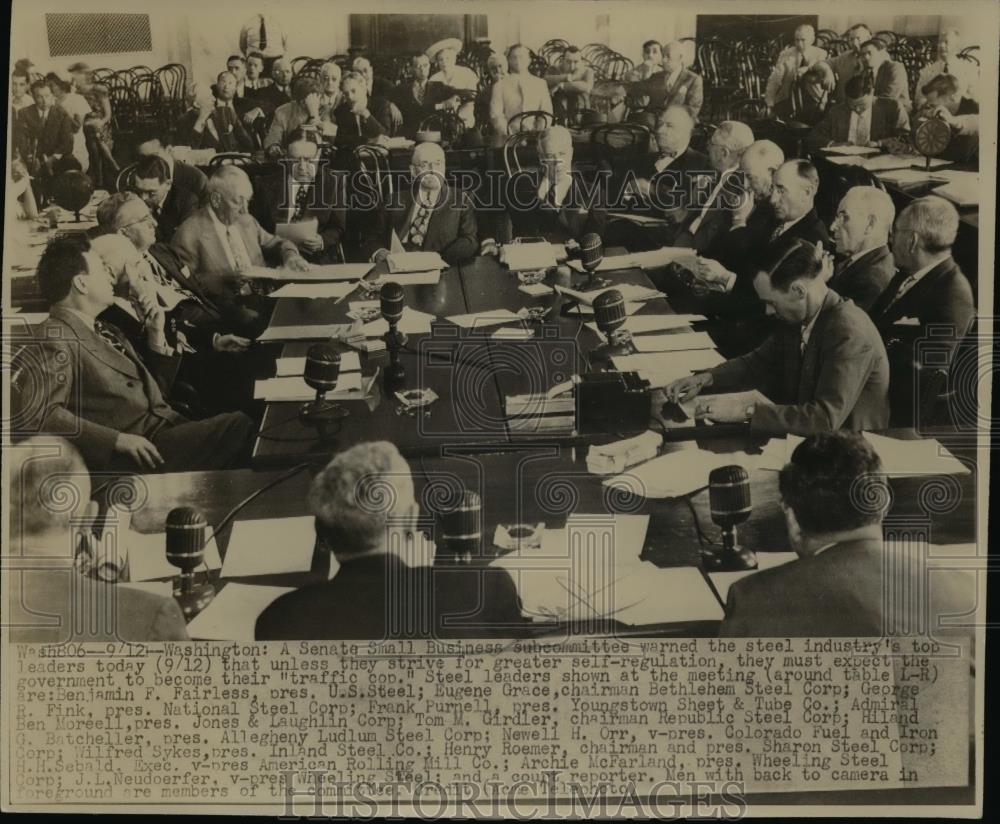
[[791, 65], [674, 84], [428, 216], [517, 92], [278, 92], [861, 234]]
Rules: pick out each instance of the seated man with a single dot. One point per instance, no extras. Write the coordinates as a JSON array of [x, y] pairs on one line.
[[826, 369], [517, 92], [792, 63], [673, 85], [44, 139], [49, 601], [183, 176], [169, 204], [840, 584], [570, 85], [943, 100], [411, 97], [221, 241], [304, 190], [652, 61], [302, 112], [377, 86], [929, 289], [375, 593], [452, 87], [359, 119], [438, 219], [949, 46], [255, 79], [861, 120], [561, 206], [885, 75], [19, 96], [88, 384], [277, 92], [218, 126], [861, 234]]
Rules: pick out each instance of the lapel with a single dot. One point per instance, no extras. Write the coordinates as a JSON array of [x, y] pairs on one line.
[[921, 292], [810, 355], [96, 345], [869, 258]]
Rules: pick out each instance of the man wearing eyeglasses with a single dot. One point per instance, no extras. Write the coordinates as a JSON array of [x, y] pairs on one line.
[[169, 204], [429, 215]]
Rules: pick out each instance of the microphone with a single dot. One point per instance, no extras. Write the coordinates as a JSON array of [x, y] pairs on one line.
[[185, 538], [609, 315], [321, 374], [729, 503], [392, 303], [591, 255], [461, 529]]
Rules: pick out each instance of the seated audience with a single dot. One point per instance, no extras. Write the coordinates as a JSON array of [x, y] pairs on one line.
[[411, 96], [20, 98], [377, 86], [217, 125], [517, 92], [848, 63], [652, 61], [44, 139], [824, 370], [861, 120], [453, 87], [375, 593], [949, 45], [90, 385], [236, 65], [861, 234], [330, 76], [304, 111], [359, 119], [277, 92], [255, 79], [885, 75], [570, 85], [304, 189], [49, 600], [220, 242], [78, 109], [813, 99], [791, 65], [674, 84], [430, 215], [930, 290], [943, 100], [840, 584], [98, 126], [171, 204]]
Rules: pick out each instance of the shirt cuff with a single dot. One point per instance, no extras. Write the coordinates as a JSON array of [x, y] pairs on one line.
[[729, 282]]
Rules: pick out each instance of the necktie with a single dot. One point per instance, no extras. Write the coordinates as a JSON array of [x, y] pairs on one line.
[[301, 201], [944, 68], [238, 250], [418, 93], [110, 336], [418, 229], [903, 287], [263, 34], [776, 232]]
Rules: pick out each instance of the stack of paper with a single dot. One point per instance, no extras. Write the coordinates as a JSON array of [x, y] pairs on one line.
[[147, 556], [673, 343], [271, 546], [677, 473], [350, 386], [233, 613], [663, 368], [349, 362], [923, 456], [520, 257], [399, 262], [653, 323]]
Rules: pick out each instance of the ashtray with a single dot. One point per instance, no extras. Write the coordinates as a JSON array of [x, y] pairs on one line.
[[531, 276], [518, 536]]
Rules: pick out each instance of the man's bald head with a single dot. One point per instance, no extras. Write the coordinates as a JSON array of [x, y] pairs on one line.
[[49, 488], [229, 192], [674, 56], [759, 162], [555, 149], [805, 35]]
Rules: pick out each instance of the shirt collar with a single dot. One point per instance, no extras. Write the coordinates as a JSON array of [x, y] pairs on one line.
[[915, 276], [88, 321], [807, 328]]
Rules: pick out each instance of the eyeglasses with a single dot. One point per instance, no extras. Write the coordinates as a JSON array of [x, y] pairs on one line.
[[147, 219]]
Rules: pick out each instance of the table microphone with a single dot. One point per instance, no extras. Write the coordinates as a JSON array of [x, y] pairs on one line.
[[591, 255], [609, 315], [729, 502], [321, 373], [392, 303], [461, 529], [185, 536]]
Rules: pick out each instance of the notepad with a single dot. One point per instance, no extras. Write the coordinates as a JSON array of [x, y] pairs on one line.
[[490, 317], [270, 546], [520, 257], [662, 368], [676, 473], [350, 386], [411, 322], [722, 581], [653, 323], [147, 556], [673, 343], [298, 231], [400, 262], [313, 290], [349, 362], [232, 615], [922, 456]]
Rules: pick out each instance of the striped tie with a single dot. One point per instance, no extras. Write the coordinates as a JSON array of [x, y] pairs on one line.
[[109, 334]]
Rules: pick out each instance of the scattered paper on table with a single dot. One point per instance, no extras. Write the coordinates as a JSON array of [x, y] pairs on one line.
[[412, 322], [676, 473], [673, 343], [271, 546], [327, 271], [147, 555], [349, 362], [313, 290], [232, 615], [305, 332], [520, 257], [298, 231], [294, 388], [490, 317], [923, 456], [662, 368], [429, 277], [400, 262], [653, 323], [535, 289], [891, 161]]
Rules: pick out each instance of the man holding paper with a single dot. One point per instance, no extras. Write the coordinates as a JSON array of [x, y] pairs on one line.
[[304, 202], [825, 369]]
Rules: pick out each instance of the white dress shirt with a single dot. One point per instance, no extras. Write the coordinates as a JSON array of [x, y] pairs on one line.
[[859, 133], [715, 193], [963, 70], [562, 187], [232, 242]]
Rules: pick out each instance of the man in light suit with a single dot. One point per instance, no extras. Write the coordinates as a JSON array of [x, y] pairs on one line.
[[517, 92], [928, 305], [886, 76], [861, 120], [221, 242], [949, 46], [861, 233], [87, 383], [791, 64], [430, 216], [839, 586], [825, 369], [674, 84], [304, 111], [48, 600], [570, 84], [848, 63]]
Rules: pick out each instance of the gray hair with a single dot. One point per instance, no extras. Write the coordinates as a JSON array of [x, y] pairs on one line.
[[735, 136], [873, 203], [49, 485], [108, 209], [357, 493], [354, 78], [224, 178], [766, 151], [934, 220]]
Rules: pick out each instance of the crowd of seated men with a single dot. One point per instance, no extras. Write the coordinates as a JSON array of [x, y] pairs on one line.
[[827, 328]]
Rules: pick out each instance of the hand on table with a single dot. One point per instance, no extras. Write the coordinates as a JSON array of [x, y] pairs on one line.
[[683, 389]]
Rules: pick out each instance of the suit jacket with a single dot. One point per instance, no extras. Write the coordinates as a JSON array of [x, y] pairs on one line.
[[412, 110], [716, 218], [686, 90], [229, 134], [268, 99], [380, 596], [888, 119], [844, 66], [198, 318], [840, 380], [891, 81], [50, 611], [326, 204], [784, 75], [190, 178], [88, 392], [35, 139], [866, 278], [177, 207], [508, 97], [451, 231], [575, 217], [348, 134]]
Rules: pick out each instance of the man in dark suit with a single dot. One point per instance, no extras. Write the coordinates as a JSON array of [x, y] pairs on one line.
[[861, 234], [89, 384], [44, 138], [375, 592], [217, 126], [927, 308], [825, 369], [675, 85], [48, 600], [838, 586], [886, 76], [304, 190], [169, 204], [412, 96], [277, 92], [428, 216], [943, 99], [360, 119], [860, 120], [183, 175]]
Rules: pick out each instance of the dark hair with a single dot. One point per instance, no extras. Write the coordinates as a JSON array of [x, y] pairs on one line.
[[54, 81], [649, 44], [302, 134], [857, 26], [800, 259], [834, 482], [256, 54], [41, 83], [858, 86], [19, 73], [876, 42], [150, 166], [233, 57], [149, 133], [573, 50], [61, 261], [303, 86], [946, 84]]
